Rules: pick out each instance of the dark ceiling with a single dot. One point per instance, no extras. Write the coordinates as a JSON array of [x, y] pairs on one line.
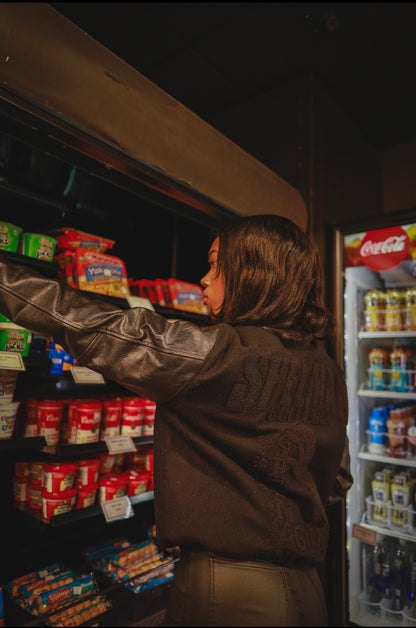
[[212, 56]]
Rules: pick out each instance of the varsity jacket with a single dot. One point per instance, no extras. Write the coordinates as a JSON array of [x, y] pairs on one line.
[[249, 431]]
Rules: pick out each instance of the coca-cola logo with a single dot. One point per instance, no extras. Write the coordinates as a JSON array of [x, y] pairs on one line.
[[385, 248]]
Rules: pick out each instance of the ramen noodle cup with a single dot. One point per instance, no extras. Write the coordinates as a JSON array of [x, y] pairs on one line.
[[107, 462], [35, 495], [57, 503], [133, 416], [30, 429], [15, 341], [38, 245], [72, 421], [58, 477], [36, 472], [137, 482], [111, 486], [86, 496], [9, 236], [49, 420], [89, 415], [22, 469], [149, 417], [8, 411], [111, 418], [88, 472], [20, 489]]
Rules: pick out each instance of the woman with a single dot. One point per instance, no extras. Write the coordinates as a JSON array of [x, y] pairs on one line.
[[250, 423]]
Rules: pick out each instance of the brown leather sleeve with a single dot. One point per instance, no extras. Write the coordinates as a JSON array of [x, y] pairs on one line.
[[135, 347]]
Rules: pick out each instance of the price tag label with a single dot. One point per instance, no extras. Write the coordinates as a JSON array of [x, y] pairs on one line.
[[120, 444], [134, 301], [11, 360], [363, 534], [84, 375], [117, 509]]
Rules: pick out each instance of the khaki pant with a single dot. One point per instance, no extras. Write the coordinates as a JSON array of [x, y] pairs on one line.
[[209, 590]]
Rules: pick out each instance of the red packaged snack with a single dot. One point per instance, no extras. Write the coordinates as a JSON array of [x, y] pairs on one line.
[[163, 293], [147, 290], [186, 296], [67, 271], [98, 272], [73, 239]]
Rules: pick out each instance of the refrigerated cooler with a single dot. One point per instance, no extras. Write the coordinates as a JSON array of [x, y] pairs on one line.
[[379, 271]]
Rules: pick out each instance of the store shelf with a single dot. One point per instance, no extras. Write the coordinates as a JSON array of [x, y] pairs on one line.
[[64, 450], [397, 534], [35, 519], [403, 462], [386, 394], [22, 444], [363, 335]]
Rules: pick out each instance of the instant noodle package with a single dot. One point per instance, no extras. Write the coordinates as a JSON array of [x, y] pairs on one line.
[[84, 263]]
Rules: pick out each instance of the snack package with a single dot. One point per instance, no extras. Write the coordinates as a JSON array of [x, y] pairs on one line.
[[98, 272], [163, 293], [73, 239], [186, 296]]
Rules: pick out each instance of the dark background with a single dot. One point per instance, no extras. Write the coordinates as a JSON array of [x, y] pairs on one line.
[[214, 56]]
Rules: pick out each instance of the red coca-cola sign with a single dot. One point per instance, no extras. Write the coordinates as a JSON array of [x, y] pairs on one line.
[[385, 248]]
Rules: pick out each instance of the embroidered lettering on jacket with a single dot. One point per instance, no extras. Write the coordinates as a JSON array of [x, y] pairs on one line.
[[286, 390]]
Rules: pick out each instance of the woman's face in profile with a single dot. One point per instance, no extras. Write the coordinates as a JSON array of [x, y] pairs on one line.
[[213, 282]]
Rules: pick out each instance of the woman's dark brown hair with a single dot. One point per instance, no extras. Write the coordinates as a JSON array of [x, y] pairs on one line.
[[273, 278]]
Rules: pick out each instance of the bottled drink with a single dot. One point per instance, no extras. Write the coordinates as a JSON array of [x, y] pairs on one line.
[[375, 310], [378, 360], [377, 571], [399, 359], [411, 579], [378, 429], [410, 296], [394, 308], [399, 579]]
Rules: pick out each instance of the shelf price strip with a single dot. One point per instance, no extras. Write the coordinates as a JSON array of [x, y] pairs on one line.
[[120, 444], [117, 509], [11, 360], [84, 375]]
